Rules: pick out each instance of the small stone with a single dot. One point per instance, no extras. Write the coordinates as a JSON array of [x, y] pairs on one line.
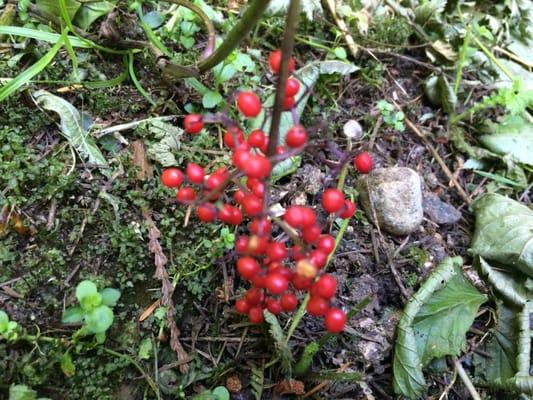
[[440, 212], [312, 179], [392, 199]]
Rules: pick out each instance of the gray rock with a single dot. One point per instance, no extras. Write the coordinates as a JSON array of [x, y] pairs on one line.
[[440, 212], [392, 199]]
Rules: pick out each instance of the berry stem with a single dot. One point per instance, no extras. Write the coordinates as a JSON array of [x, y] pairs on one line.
[[287, 46]]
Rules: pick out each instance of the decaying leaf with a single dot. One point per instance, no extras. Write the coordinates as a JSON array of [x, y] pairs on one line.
[[140, 160], [168, 138], [290, 386]]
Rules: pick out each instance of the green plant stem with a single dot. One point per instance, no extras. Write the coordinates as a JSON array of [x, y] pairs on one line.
[[344, 170], [135, 81], [286, 52], [462, 58], [133, 362], [493, 58]]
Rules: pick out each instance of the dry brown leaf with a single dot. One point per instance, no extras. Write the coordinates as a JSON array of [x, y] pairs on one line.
[[233, 384], [140, 160], [146, 313], [290, 386]]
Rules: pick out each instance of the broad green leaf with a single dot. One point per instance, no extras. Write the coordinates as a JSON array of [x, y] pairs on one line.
[[428, 10], [168, 138], [221, 393], [4, 321], [508, 285], [279, 340], [437, 304], [110, 296], [211, 99], [154, 19], [85, 288], [512, 136], [24, 77], [91, 11], [71, 126], [21, 392], [340, 53], [99, 319], [91, 301], [440, 93], [73, 315], [286, 167], [52, 7], [67, 366], [504, 232]]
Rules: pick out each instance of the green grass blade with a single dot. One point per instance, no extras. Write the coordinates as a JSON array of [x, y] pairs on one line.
[[73, 57], [24, 77], [40, 35], [151, 35], [136, 81]]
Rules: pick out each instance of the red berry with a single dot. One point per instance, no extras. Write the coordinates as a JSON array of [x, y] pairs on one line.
[[273, 305], [232, 134], [317, 306], [332, 200], [363, 162], [239, 196], [264, 147], [294, 216], [318, 258], [254, 296], [172, 177], [300, 282], [276, 283], [326, 286], [296, 136], [186, 195], [247, 267], [206, 212], [288, 302], [257, 167], [255, 315], [214, 181], [311, 234], [276, 251], [349, 209], [296, 253], [280, 149], [288, 102], [309, 217], [286, 272], [241, 244], [257, 187], [257, 245], [326, 243], [274, 59], [193, 123], [292, 87], [242, 306], [240, 158], [252, 205], [335, 320], [249, 104], [259, 281], [195, 173], [261, 226], [230, 214], [257, 138]]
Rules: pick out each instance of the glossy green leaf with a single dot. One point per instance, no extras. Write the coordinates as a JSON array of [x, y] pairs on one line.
[[433, 324], [73, 315], [85, 288], [512, 136], [71, 126], [110, 296], [221, 393], [99, 319], [52, 7], [504, 232], [21, 392], [211, 99], [154, 19], [91, 301], [440, 93], [91, 11]]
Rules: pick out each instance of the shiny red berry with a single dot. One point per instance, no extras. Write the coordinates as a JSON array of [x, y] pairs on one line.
[[363, 162], [247, 267], [326, 286], [233, 134], [206, 212], [332, 200], [252, 205], [261, 226], [195, 173], [193, 123], [249, 104], [276, 251], [296, 136], [274, 60], [259, 281], [292, 87], [239, 196], [317, 306], [349, 209], [300, 282], [257, 166], [242, 306], [326, 243], [241, 244], [318, 258], [276, 283], [172, 177], [257, 138], [274, 306], [311, 234], [186, 195], [240, 158], [255, 315], [335, 320], [288, 102], [294, 216], [289, 302], [254, 296]]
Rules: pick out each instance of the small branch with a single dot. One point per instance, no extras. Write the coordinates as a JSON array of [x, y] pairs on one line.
[[466, 379], [286, 51]]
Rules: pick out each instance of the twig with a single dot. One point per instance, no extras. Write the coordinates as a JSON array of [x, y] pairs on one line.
[[466, 379], [350, 42]]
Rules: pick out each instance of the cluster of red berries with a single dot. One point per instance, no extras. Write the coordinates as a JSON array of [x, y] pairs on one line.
[[275, 269]]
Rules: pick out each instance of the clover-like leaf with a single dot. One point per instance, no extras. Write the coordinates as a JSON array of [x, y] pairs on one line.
[[110, 296], [85, 288], [73, 315], [99, 319]]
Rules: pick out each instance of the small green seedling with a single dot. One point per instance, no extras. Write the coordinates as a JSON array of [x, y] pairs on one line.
[[8, 329], [218, 393], [94, 310], [391, 118]]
